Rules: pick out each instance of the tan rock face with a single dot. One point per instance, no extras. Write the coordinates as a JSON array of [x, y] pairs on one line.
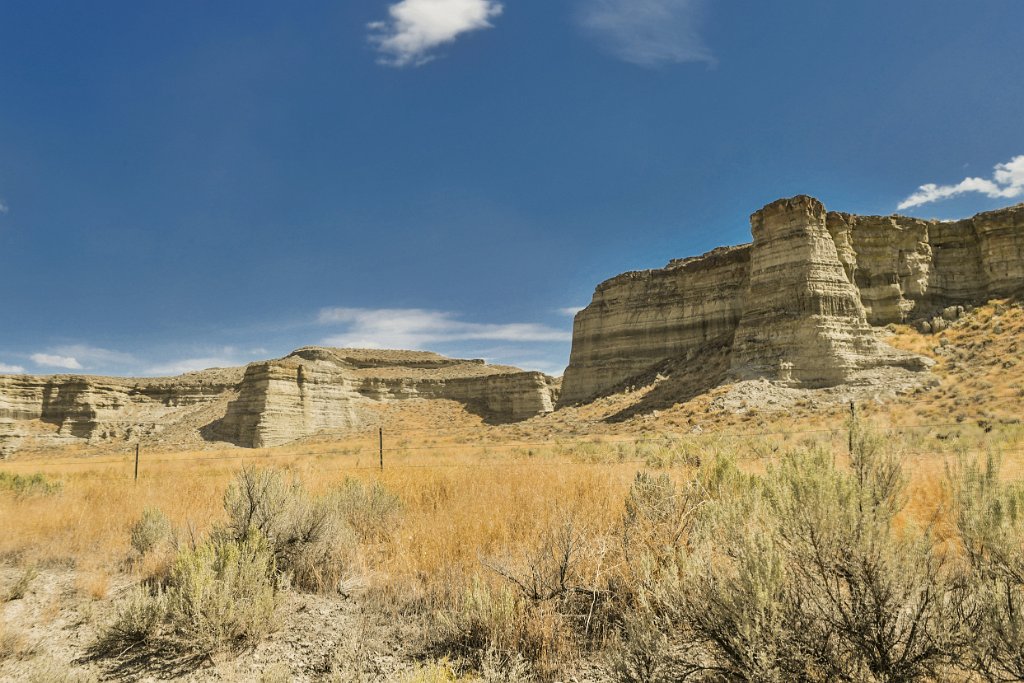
[[265, 403], [797, 305], [637, 320], [803, 318], [315, 389]]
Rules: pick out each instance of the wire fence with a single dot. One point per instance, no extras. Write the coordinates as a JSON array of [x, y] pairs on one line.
[[397, 446]]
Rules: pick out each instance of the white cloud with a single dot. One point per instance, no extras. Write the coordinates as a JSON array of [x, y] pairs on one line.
[[1007, 182], [416, 27], [180, 367], [3, 207], [11, 369], [93, 356], [648, 32], [49, 360], [571, 311], [415, 328]]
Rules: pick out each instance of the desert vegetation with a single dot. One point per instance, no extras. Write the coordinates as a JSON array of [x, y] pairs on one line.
[[660, 559]]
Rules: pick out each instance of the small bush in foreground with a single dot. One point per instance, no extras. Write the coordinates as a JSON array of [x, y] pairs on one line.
[[990, 527], [219, 594], [799, 574], [311, 538], [222, 593]]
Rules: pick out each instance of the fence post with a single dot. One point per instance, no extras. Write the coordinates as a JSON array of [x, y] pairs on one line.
[[853, 426], [136, 462], [381, 449]]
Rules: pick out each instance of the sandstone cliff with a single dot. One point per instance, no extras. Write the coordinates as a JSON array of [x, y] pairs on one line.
[[265, 403], [315, 389], [797, 305]]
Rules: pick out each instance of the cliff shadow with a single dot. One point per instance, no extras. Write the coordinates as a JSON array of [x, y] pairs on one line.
[[676, 381]]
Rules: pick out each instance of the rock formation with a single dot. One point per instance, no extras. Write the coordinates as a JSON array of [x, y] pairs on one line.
[[265, 403], [797, 305], [315, 388]]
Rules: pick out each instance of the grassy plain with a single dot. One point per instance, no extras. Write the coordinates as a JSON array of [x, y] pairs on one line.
[[482, 507]]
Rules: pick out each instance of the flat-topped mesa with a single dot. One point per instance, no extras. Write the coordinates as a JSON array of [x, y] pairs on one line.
[[796, 305], [803, 320], [315, 389], [266, 403]]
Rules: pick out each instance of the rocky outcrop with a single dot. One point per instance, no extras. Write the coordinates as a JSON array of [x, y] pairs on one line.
[[797, 305], [640, 319], [265, 403], [62, 409], [314, 389], [803, 321]]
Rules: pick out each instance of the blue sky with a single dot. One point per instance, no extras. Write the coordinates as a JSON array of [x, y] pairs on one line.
[[191, 184]]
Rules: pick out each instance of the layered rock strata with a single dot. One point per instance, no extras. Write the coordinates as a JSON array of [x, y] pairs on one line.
[[802, 319], [265, 403], [314, 389], [796, 305]]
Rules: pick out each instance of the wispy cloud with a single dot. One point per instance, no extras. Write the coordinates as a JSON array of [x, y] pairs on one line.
[[11, 369], [416, 328], [648, 32], [92, 357], [3, 207], [571, 311], [415, 27], [1007, 182], [50, 360], [85, 357]]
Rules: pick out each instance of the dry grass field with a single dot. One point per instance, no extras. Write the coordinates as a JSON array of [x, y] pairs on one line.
[[485, 552]]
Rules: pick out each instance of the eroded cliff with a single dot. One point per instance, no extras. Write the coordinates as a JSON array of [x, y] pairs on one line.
[[265, 403], [315, 389], [798, 305]]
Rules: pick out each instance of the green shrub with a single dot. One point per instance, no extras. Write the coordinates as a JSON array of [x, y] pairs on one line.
[[151, 530], [222, 593], [800, 574], [37, 484]]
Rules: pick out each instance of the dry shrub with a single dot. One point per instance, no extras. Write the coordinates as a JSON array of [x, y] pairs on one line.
[[220, 594], [798, 574], [13, 644], [19, 589], [370, 509], [990, 527], [311, 539]]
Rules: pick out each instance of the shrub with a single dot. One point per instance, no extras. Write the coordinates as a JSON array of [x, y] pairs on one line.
[[222, 593], [20, 588], [371, 510], [138, 620], [799, 574], [37, 484], [311, 542], [990, 528], [151, 530]]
